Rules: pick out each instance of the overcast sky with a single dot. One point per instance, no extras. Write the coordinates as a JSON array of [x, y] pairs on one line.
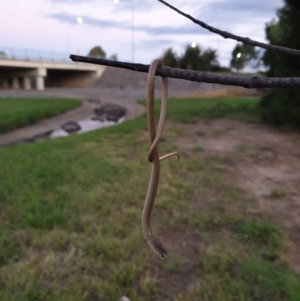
[[51, 25]]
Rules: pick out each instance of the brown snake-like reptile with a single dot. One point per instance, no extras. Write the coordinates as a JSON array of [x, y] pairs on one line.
[[153, 156]]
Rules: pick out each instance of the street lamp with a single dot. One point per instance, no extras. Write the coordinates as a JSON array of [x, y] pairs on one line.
[[194, 44], [79, 21], [132, 27]]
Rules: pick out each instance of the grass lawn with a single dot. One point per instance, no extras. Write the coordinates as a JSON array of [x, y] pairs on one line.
[[18, 112], [190, 109], [70, 220]]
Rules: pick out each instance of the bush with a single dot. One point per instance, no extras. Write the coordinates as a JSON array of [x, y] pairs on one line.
[[281, 106]]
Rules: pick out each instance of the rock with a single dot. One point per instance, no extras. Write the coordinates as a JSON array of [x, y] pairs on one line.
[[109, 108], [109, 112], [99, 118], [119, 112], [21, 141], [93, 100], [42, 136], [112, 117], [99, 111], [123, 298], [71, 127]]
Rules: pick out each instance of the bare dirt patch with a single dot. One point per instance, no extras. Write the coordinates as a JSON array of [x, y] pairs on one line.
[[263, 161], [229, 91]]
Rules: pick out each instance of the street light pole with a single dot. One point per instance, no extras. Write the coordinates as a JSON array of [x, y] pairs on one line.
[[79, 21], [132, 34], [132, 27], [68, 38]]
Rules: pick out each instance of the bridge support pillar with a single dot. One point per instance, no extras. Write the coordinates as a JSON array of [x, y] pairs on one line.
[[5, 84], [40, 84], [27, 83], [15, 83]]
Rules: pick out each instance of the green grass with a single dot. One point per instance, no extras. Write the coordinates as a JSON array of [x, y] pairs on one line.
[[261, 231], [19, 112], [227, 276], [277, 194], [71, 213], [197, 149], [190, 109]]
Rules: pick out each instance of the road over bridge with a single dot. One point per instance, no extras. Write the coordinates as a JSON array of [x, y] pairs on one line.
[[22, 70]]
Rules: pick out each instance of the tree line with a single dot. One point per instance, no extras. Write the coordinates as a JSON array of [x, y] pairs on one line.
[[195, 57], [282, 106]]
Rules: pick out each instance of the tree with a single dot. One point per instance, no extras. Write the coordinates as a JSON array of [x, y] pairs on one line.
[[282, 106], [237, 59], [114, 57], [97, 52], [197, 59], [242, 55], [170, 58], [209, 60], [190, 58]]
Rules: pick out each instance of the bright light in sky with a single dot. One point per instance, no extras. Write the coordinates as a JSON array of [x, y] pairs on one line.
[[194, 44], [79, 20], [116, 1], [238, 55]]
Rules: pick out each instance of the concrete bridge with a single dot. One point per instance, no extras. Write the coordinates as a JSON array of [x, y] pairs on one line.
[[23, 70]]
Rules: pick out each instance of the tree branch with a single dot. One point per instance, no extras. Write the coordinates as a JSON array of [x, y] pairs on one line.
[[198, 76], [228, 35]]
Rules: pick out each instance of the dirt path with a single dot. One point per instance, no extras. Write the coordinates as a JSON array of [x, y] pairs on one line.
[[86, 110], [262, 161]]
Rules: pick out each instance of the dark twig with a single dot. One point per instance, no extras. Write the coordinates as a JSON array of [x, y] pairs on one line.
[[198, 76], [228, 35]]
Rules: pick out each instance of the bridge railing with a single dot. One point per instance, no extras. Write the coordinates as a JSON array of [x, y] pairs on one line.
[[10, 53]]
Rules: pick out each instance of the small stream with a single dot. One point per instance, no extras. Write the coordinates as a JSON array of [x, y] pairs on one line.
[[105, 116], [86, 125]]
